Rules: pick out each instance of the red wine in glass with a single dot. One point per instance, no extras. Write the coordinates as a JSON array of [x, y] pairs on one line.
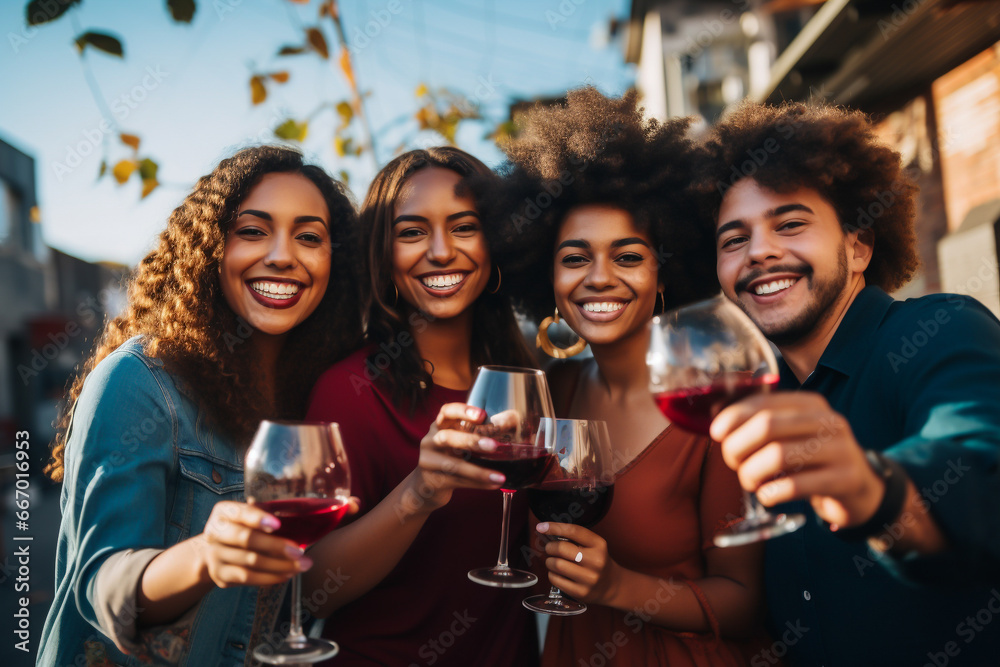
[[701, 358], [578, 488], [578, 501], [298, 471], [305, 520], [522, 464], [694, 408]]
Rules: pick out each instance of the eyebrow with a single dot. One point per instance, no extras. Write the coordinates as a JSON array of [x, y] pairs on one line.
[[420, 218], [264, 215], [579, 243], [773, 213]]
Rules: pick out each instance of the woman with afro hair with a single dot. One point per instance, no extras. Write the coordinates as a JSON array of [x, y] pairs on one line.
[[601, 234], [229, 321]]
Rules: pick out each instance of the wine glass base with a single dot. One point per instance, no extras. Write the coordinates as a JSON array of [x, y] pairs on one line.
[[292, 653], [554, 606], [503, 577], [749, 531]]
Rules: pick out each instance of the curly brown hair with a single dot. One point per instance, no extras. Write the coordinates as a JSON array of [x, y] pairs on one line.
[[831, 150], [598, 150], [495, 336], [175, 301]]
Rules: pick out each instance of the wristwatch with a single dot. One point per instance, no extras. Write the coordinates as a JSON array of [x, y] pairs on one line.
[[892, 501]]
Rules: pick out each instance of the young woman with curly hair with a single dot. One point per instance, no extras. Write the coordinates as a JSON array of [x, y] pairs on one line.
[[434, 312], [596, 210], [246, 296]]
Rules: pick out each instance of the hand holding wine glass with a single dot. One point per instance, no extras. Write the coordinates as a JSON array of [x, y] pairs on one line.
[[577, 490], [514, 400], [702, 358], [299, 473]]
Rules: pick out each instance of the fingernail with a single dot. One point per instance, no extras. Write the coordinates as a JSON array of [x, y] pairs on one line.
[[293, 552], [487, 444], [497, 477], [542, 527], [270, 523], [474, 413], [305, 563]]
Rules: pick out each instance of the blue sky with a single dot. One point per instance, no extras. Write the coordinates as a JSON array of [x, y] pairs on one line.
[[184, 89]]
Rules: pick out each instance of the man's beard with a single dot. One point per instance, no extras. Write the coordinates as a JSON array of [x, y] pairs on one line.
[[824, 296]]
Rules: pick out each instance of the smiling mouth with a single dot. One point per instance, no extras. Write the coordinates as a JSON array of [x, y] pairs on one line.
[[603, 306], [272, 290], [443, 283], [773, 287]]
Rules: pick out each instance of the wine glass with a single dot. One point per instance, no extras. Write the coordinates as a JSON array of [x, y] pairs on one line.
[[298, 472], [515, 401], [701, 358], [578, 489]]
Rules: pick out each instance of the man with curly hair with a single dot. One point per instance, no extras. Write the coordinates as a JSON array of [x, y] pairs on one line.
[[890, 441]]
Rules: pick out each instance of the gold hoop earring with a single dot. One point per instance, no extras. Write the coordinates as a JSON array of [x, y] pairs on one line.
[[663, 302], [396, 290], [548, 347], [499, 280]]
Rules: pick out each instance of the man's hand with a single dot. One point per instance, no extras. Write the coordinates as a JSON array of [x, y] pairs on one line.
[[792, 445]]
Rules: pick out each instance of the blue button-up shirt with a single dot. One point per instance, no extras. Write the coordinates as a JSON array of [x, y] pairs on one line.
[[919, 380]]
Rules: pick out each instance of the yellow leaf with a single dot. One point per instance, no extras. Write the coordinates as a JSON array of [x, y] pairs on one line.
[[292, 131], [317, 41], [35, 214], [340, 145], [124, 169], [421, 90], [130, 140], [345, 67], [258, 93], [344, 177], [346, 113], [104, 170], [280, 77], [148, 185]]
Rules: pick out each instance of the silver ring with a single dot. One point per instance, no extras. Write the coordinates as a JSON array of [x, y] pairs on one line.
[[579, 556]]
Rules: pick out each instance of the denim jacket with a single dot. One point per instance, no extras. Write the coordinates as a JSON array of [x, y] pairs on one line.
[[142, 471]]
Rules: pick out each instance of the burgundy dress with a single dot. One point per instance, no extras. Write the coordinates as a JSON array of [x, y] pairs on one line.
[[426, 611]]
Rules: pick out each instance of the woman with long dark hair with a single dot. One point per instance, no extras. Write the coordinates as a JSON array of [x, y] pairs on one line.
[[395, 578], [229, 320]]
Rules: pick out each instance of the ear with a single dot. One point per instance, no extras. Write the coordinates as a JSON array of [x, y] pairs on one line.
[[860, 247]]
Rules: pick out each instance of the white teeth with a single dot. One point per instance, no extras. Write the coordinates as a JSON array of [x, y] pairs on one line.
[[603, 306], [775, 286], [275, 290], [443, 282]]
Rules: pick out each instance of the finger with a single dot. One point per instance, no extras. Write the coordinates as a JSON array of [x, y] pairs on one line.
[[291, 562], [816, 482], [578, 575], [453, 439], [578, 534], [245, 514], [465, 473], [453, 415], [248, 539], [568, 586], [234, 575], [353, 505], [765, 427]]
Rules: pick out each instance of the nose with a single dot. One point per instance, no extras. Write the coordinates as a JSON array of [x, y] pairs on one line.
[[601, 274], [441, 249], [279, 252], [763, 246]]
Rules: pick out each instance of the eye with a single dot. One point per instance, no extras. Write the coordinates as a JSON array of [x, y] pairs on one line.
[[410, 233], [310, 237], [573, 260], [466, 228], [250, 232], [733, 241], [791, 224], [630, 258]]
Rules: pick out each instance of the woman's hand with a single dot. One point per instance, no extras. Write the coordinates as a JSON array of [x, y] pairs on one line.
[[582, 566], [442, 467], [237, 549]]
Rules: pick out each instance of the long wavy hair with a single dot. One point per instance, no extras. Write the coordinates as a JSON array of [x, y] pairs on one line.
[[175, 301], [496, 338]]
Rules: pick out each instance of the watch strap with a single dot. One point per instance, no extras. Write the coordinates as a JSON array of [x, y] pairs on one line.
[[889, 509]]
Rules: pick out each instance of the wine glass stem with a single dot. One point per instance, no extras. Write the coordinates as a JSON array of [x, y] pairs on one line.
[[752, 508], [502, 558], [295, 634]]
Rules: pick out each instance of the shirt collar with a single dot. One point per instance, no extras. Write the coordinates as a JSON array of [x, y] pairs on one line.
[[859, 325]]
